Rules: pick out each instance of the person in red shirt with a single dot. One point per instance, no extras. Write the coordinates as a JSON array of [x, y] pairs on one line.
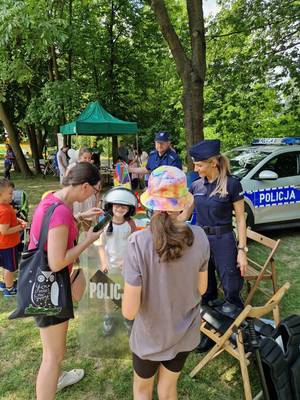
[[10, 228]]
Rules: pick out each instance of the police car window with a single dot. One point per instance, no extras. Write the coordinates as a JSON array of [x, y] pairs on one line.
[[284, 165], [242, 161]]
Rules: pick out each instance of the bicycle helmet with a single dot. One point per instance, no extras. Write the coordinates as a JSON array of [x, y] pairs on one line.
[[120, 195]]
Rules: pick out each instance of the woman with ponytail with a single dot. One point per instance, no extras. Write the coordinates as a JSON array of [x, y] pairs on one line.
[[217, 194], [165, 274]]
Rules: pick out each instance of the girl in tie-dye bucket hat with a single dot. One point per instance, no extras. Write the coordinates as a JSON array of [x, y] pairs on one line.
[[165, 273]]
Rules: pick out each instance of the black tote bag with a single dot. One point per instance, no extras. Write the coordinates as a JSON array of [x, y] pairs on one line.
[[40, 291]]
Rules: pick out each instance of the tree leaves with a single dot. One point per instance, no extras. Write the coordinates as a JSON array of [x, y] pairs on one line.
[[253, 61], [252, 82]]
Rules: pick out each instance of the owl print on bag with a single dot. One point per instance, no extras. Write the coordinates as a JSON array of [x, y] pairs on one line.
[[45, 290]]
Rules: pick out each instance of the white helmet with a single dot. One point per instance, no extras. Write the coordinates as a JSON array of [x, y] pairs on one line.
[[120, 195]]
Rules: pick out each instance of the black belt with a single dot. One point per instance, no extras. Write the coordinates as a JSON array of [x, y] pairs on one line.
[[217, 230]]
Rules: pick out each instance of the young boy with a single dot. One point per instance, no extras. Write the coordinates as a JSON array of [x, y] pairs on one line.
[[10, 226]]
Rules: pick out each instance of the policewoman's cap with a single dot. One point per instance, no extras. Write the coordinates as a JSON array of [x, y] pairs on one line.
[[205, 149], [162, 137]]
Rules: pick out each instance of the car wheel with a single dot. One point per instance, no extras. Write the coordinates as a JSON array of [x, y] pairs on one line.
[[250, 217]]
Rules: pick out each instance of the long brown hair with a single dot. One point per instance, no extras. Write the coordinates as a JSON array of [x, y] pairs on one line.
[[223, 166], [170, 237]]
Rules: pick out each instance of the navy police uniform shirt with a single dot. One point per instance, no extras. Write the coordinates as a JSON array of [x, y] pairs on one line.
[[215, 210], [170, 158]]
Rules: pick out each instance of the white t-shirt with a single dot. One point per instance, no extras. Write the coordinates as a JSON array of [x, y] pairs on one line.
[[62, 161], [115, 244]]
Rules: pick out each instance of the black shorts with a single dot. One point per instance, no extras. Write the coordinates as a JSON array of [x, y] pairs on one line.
[[45, 322], [8, 259], [146, 368]]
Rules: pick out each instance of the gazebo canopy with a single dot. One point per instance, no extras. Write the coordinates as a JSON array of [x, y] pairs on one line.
[[96, 121]]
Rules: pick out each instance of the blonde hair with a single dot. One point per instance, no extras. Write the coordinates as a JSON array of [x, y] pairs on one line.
[[223, 165], [84, 150], [170, 237]]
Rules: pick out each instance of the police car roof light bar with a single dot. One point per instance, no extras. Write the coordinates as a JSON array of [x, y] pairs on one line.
[[276, 141]]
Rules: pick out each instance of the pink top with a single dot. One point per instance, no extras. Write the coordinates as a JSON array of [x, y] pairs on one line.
[[62, 215]]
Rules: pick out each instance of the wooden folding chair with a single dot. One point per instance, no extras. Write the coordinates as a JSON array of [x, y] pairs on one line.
[[222, 342], [258, 271]]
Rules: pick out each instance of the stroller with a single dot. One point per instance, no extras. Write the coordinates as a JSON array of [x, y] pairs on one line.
[[21, 204]]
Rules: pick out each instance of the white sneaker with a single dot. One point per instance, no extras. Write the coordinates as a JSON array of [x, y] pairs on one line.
[[69, 378]]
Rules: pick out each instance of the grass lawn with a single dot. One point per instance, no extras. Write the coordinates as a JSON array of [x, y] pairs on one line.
[[108, 379]]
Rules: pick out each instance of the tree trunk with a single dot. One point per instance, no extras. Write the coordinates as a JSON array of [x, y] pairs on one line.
[[111, 73], [15, 164], [191, 71], [197, 35], [96, 80], [70, 51], [50, 67], [54, 63], [34, 148], [111, 77], [193, 101], [14, 141], [40, 141]]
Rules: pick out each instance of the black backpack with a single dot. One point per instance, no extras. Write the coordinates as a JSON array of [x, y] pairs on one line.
[[282, 367]]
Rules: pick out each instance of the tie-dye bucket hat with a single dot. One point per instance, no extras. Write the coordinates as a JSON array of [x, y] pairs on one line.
[[167, 190]]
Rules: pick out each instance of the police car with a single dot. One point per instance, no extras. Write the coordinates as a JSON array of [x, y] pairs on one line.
[[269, 171]]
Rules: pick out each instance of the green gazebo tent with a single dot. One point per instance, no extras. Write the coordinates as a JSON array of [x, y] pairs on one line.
[[96, 121]]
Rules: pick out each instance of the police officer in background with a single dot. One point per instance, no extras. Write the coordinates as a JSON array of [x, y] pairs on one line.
[[162, 155], [217, 194]]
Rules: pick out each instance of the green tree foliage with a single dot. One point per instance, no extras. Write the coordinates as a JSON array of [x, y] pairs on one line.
[[56, 56], [252, 86]]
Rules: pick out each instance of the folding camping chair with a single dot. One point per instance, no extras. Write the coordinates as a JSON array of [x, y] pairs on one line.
[[236, 348], [258, 271]]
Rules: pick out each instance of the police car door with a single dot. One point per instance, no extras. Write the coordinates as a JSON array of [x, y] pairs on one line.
[[278, 199]]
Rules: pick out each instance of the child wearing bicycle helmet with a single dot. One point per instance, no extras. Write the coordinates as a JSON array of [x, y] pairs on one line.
[[121, 203]]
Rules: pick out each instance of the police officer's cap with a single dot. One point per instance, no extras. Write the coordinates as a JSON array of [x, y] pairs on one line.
[[162, 136], [205, 149]]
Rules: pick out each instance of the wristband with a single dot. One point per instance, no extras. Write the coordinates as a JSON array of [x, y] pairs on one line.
[[243, 248]]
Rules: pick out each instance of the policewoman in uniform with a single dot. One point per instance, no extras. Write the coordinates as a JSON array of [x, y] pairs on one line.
[[162, 155], [217, 194]]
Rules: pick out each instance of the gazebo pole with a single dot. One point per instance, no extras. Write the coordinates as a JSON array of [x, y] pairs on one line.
[[108, 152], [137, 143]]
